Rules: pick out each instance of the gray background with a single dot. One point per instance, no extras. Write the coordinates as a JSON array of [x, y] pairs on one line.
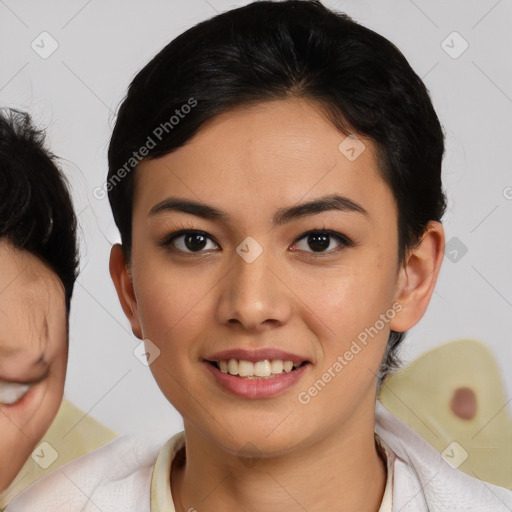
[[75, 91]]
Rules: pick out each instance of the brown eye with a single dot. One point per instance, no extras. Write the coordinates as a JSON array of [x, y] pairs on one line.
[[188, 241], [319, 241]]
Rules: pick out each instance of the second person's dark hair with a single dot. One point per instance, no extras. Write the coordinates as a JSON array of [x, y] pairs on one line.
[[36, 210]]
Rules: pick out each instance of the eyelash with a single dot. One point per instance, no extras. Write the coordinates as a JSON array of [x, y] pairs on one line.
[[344, 241]]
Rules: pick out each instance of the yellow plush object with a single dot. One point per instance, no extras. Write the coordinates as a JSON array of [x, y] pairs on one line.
[[73, 433], [461, 376]]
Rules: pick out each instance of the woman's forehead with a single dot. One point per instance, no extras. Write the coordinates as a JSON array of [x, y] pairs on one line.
[[277, 152]]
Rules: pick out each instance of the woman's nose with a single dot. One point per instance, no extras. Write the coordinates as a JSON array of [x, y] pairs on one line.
[[253, 294]]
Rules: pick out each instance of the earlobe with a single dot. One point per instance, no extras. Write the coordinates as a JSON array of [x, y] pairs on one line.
[[418, 277], [120, 274]]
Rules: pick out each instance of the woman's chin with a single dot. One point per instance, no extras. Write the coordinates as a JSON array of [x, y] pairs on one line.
[[259, 443]]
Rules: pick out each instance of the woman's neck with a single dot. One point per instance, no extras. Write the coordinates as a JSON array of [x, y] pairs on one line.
[[342, 472]]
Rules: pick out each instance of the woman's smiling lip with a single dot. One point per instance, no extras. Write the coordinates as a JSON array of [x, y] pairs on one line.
[[254, 388]]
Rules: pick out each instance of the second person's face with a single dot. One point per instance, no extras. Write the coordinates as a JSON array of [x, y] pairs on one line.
[[33, 355]]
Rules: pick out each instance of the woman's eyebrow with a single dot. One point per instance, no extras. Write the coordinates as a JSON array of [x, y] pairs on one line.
[[282, 215]]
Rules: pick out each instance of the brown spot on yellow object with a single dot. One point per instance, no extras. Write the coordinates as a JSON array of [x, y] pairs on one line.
[[464, 404]]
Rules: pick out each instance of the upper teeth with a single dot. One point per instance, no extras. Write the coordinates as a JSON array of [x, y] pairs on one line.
[[264, 368], [12, 392]]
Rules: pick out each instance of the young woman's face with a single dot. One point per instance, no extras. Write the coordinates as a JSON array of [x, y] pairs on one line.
[[263, 285], [33, 355]]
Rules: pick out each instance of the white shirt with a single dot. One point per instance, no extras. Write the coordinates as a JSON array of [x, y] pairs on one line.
[[128, 475]]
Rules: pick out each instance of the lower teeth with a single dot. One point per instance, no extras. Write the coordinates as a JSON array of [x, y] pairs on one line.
[[256, 377]]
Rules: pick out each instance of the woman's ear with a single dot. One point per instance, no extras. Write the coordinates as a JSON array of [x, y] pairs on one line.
[[418, 276], [120, 274]]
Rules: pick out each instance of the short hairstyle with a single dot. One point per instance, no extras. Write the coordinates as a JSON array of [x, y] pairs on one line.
[[36, 211], [272, 50]]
